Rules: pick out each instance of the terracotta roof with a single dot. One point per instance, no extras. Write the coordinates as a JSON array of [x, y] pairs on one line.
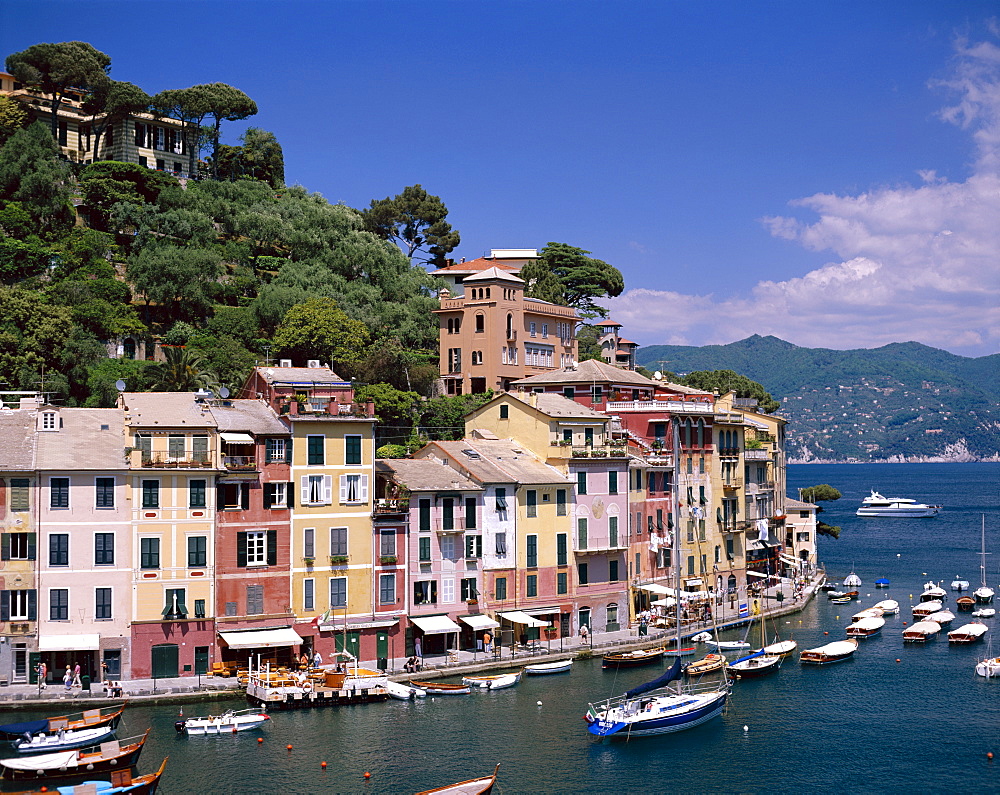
[[557, 406], [798, 505], [253, 416], [493, 273], [166, 410], [623, 341], [87, 439], [300, 375], [588, 372], [500, 462], [473, 265], [425, 474], [17, 440]]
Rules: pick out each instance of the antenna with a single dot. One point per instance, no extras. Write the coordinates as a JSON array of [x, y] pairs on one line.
[[224, 392], [120, 385]]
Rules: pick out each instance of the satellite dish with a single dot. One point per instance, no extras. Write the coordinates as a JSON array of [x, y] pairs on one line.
[[658, 375], [120, 385], [224, 392]]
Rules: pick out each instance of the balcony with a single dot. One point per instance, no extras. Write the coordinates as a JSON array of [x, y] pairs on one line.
[[511, 335], [732, 484], [164, 460], [393, 505], [240, 463], [597, 546], [440, 526], [617, 451], [757, 455], [729, 452], [666, 406]]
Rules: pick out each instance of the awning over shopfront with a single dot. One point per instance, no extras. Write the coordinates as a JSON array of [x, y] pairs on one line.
[[520, 617], [479, 622], [435, 625], [791, 561], [653, 587], [69, 642], [261, 638], [667, 601], [236, 438], [694, 582], [757, 574]]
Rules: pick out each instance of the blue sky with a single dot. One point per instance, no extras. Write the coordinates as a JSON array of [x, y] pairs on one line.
[[823, 172]]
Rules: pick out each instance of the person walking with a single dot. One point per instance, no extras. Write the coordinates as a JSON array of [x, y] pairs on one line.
[[418, 650], [77, 682], [68, 678], [487, 642], [317, 660], [42, 671]]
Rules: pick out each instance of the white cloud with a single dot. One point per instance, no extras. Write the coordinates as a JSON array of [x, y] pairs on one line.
[[914, 263]]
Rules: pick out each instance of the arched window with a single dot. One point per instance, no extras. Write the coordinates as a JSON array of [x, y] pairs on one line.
[[731, 583], [510, 326], [480, 323], [701, 433]]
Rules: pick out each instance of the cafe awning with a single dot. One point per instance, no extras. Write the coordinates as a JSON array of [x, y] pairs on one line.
[[435, 625], [791, 561], [520, 617], [69, 642], [236, 438], [653, 587], [757, 574], [261, 638], [479, 622]]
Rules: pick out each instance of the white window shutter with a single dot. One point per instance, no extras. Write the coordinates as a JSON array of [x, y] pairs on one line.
[[343, 488], [328, 489], [363, 489], [305, 490]]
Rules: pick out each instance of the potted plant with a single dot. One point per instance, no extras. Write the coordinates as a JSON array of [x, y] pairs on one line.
[[309, 561], [387, 559], [302, 399], [338, 560]]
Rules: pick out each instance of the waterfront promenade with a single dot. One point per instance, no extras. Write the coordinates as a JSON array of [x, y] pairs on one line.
[[191, 689]]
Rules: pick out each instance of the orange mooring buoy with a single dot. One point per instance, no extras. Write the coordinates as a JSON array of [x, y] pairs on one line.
[[323, 765], [260, 739], [289, 747], [367, 775], [989, 755]]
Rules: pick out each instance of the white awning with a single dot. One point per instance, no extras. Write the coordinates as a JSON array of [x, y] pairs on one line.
[[236, 438], [479, 622], [654, 588], [69, 642], [668, 601], [520, 617], [435, 625], [791, 561], [261, 638], [694, 582], [757, 574]]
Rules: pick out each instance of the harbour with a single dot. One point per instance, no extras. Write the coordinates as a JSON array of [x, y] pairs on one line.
[[851, 725]]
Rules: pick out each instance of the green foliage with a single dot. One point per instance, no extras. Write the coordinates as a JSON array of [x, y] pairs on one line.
[[823, 492], [101, 378], [183, 371], [414, 220], [586, 342], [182, 280], [319, 329], [32, 332], [824, 529], [225, 103], [542, 283], [13, 117], [110, 182], [260, 157], [109, 102], [392, 451], [19, 261], [226, 357], [723, 381], [443, 418], [395, 408], [32, 174], [583, 279]]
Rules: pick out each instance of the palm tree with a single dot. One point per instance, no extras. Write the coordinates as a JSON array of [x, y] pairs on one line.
[[183, 371]]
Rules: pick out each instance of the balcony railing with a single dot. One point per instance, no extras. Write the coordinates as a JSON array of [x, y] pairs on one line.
[[618, 451], [164, 460], [669, 406], [240, 463], [733, 483], [757, 455], [597, 545], [394, 505]]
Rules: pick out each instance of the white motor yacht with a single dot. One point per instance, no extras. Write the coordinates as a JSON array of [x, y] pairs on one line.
[[895, 507]]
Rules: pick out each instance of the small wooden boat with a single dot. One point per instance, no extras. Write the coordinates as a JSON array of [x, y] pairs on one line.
[[90, 719], [840, 600], [228, 722], [842, 596], [959, 584], [924, 609], [753, 666], [933, 592], [782, 648], [729, 645], [63, 741], [866, 627], [442, 688], [109, 756], [687, 651], [632, 659], [942, 617], [968, 633], [871, 612], [888, 606], [965, 604], [122, 783], [921, 631], [708, 663], [403, 691], [828, 586], [474, 786], [834, 652], [495, 682], [702, 637], [544, 669], [985, 612]]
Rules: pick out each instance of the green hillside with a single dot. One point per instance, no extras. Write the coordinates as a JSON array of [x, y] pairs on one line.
[[900, 400]]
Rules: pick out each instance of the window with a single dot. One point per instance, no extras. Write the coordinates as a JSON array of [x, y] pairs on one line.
[[102, 604], [531, 550], [104, 493], [276, 495], [469, 589], [562, 554], [480, 323], [581, 574], [447, 546], [353, 488], [255, 599], [470, 513], [387, 589], [144, 443], [448, 514], [612, 482], [17, 546], [309, 542], [638, 523], [59, 549], [197, 551], [150, 494], [454, 360], [176, 604], [531, 328], [560, 502], [49, 421], [425, 516], [581, 533], [424, 549], [104, 549], [569, 392], [175, 447], [352, 450], [199, 608], [234, 496], [473, 546], [199, 448], [545, 329], [612, 531], [275, 449], [196, 494], [562, 582], [501, 500], [338, 540], [338, 592], [504, 411], [501, 545], [387, 543], [532, 503], [308, 595], [531, 583], [315, 455], [613, 570], [149, 553], [19, 604], [19, 490], [425, 592], [317, 489], [59, 604], [59, 492], [596, 393], [581, 482], [500, 586]]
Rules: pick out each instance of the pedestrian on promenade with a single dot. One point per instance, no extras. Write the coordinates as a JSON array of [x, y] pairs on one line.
[[317, 660], [77, 682], [42, 672], [487, 642], [584, 632], [68, 678], [417, 648], [104, 671]]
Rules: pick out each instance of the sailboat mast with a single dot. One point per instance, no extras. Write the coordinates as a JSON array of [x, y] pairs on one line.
[[675, 540]]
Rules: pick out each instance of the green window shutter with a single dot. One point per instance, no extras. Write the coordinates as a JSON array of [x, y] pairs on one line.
[[425, 516], [561, 549], [241, 549], [290, 494], [245, 496], [32, 546], [268, 495], [272, 547], [4, 546]]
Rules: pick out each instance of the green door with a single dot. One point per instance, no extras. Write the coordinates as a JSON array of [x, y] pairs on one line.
[[349, 642], [164, 660], [382, 645], [33, 659], [201, 660]]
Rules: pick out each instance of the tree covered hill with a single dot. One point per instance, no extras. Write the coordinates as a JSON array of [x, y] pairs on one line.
[[901, 400]]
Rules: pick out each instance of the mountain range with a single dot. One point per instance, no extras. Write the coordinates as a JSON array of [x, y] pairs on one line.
[[903, 401]]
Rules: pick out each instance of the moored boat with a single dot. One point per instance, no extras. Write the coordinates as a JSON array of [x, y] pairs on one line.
[[687, 651], [754, 665], [888, 606], [544, 669], [942, 617], [924, 609], [985, 612], [968, 633], [841, 600], [836, 651], [988, 667], [871, 612], [933, 593], [866, 627], [959, 584], [494, 682], [122, 783], [89, 719], [781, 648], [632, 659], [921, 631], [895, 507], [229, 722], [729, 645], [474, 786], [63, 741], [442, 688], [109, 756], [965, 604], [707, 664], [852, 580], [401, 691], [983, 594], [882, 582]]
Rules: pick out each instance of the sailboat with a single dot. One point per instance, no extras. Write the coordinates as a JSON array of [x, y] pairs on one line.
[[757, 664], [664, 704], [983, 594]]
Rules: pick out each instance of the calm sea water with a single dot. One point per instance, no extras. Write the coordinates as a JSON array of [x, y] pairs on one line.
[[923, 724]]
